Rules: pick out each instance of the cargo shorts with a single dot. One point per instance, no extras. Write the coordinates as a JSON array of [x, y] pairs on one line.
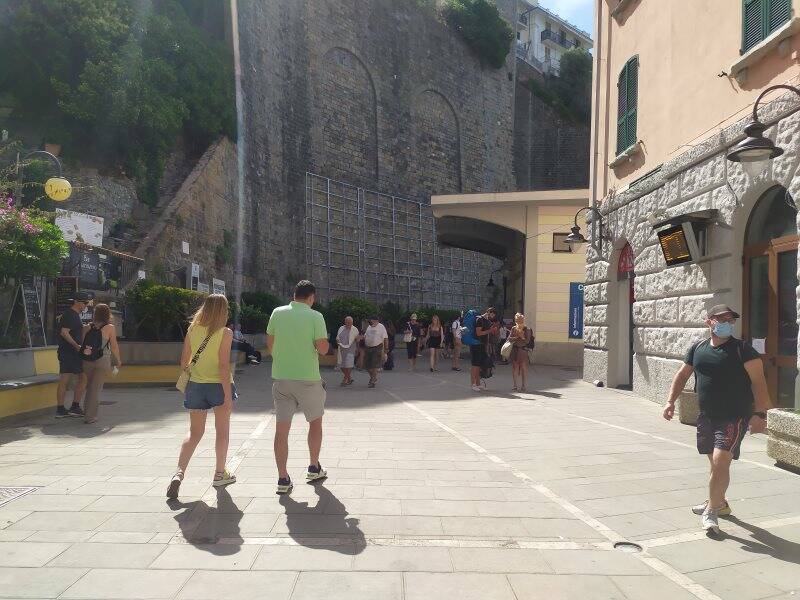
[[290, 395]]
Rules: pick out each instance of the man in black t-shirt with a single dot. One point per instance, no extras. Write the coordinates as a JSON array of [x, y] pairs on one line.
[[70, 364], [484, 326], [733, 397]]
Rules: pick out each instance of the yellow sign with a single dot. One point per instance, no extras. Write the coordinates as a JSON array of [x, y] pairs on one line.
[[58, 188]]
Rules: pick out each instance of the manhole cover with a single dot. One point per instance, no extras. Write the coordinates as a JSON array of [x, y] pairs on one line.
[[7, 494], [627, 547]]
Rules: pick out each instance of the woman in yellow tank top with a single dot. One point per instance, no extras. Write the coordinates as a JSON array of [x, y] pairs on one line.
[[210, 387]]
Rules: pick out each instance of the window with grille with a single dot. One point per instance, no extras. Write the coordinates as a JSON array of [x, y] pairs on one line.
[[760, 18], [559, 245], [628, 90]]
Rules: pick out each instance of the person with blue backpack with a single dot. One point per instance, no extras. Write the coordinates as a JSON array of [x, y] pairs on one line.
[[475, 333]]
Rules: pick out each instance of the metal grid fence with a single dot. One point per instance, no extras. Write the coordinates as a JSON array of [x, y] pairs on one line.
[[383, 248]]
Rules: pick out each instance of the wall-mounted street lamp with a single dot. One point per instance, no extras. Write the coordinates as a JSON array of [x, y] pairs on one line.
[[755, 151], [576, 237], [56, 188]]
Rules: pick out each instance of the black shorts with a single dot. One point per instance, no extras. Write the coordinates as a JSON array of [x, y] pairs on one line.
[[412, 349], [725, 435], [477, 355], [69, 362]]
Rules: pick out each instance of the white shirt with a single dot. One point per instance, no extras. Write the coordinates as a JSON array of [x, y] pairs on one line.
[[457, 329], [374, 336]]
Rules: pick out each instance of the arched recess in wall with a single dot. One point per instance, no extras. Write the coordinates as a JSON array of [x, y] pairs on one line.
[[437, 143], [347, 108]]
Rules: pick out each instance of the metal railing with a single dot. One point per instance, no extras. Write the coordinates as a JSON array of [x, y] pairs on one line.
[[380, 247], [558, 38]]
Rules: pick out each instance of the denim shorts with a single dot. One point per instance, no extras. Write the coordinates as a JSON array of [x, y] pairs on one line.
[[205, 396]]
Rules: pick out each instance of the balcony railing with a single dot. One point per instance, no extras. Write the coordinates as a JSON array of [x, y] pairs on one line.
[[561, 40]]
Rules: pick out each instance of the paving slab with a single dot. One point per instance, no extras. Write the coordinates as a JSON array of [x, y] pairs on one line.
[[348, 586], [239, 585], [119, 584]]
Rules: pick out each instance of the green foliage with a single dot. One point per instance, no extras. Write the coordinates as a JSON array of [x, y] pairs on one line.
[[569, 93], [262, 301], [482, 27], [162, 313], [29, 243], [345, 306], [253, 319], [117, 80], [223, 253], [392, 312]]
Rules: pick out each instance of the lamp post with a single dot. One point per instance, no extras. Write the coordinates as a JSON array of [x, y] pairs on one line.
[[756, 150], [56, 188], [576, 237]]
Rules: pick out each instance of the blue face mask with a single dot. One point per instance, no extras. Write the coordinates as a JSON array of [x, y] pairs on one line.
[[723, 330]]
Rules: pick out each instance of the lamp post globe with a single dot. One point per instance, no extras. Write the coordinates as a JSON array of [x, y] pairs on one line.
[[576, 237], [755, 151]]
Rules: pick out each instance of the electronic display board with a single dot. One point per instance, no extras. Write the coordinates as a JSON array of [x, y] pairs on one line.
[[675, 245]]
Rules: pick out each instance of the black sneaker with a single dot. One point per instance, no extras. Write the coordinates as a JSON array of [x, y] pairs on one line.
[[61, 412], [284, 485], [315, 473], [76, 411]]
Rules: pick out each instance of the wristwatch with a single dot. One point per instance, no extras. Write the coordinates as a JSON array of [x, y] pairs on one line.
[[761, 414]]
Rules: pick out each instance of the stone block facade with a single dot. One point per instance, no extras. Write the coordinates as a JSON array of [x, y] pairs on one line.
[[669, 307]]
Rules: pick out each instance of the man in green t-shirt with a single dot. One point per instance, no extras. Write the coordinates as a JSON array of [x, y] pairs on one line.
[[733, 397], [296, 336]]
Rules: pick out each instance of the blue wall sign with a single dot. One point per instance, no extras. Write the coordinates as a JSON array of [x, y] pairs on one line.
[[575, 311]]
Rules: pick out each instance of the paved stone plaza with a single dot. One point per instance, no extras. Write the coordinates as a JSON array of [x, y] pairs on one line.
[[434, 492]]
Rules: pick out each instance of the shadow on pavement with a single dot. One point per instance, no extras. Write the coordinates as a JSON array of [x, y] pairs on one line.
[[304, 522], [216, 529], [764, 542]]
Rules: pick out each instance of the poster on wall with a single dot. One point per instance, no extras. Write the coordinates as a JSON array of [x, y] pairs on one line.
[[80, 227], [576, 310]]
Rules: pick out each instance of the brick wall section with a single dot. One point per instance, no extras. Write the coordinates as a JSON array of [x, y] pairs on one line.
[[378, 93], [112, 198], [549, 152]]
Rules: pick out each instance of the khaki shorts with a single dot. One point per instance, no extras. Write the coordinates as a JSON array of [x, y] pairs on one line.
[[289, 395]]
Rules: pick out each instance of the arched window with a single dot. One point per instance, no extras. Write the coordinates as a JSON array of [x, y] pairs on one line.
[[774, 216]]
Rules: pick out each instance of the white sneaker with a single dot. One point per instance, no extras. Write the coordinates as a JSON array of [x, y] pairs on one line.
[[477, 388], [709, 521]]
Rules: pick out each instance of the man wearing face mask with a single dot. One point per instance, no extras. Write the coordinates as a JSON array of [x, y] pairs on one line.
[[733, 397]]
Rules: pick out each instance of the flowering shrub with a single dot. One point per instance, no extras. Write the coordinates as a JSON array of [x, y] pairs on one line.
[[29, 243]]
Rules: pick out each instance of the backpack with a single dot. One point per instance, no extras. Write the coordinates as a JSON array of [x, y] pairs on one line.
[[92, 346], [468, 328]]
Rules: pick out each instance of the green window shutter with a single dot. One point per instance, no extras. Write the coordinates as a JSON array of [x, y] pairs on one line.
[[627, 92], [622, 109], [778, 13], [754, 17], [633, 99]]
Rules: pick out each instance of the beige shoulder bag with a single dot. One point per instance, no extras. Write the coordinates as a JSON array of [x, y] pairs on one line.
[[183, 378]]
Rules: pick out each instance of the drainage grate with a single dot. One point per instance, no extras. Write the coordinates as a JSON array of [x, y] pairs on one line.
[[7, 494], [628, 547]]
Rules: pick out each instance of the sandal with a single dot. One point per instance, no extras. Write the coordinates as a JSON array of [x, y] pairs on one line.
[[175, 485], [223, 478]]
